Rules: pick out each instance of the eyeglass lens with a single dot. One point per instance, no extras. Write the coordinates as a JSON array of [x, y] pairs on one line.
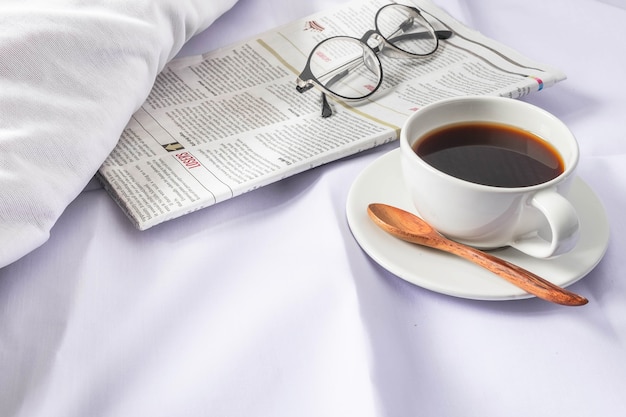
[[406, 30], [346, 67]]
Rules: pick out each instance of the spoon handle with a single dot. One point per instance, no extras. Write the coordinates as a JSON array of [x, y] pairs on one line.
[[517, 275]]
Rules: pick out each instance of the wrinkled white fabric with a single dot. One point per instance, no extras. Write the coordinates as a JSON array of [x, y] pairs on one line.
[[266, 306], [71, 75]]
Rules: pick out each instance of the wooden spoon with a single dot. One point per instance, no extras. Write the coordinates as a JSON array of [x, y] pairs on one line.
[[411, 228]]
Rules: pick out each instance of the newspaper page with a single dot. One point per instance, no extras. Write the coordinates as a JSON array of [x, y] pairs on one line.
[[224, 123]]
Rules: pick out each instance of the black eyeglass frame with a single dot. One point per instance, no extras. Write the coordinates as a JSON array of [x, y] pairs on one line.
[[306, 80]]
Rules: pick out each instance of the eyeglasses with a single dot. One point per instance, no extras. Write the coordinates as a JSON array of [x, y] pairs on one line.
[[350, 69]]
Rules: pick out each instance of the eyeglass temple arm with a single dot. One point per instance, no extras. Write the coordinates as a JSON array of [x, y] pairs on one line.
[[441, 35], [327, 111], [333, 80]]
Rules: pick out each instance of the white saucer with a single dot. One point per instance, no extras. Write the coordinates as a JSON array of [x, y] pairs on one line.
[[381, 182]]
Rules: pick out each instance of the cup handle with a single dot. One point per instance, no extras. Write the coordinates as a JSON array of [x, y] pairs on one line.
[[563, 222]]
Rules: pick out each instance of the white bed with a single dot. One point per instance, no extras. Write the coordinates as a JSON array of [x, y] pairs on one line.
[[265, 305]]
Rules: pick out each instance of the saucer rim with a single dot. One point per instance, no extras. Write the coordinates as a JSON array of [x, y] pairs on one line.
[[478, 284]]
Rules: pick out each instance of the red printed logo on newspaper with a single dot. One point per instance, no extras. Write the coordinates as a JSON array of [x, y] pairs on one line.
[[314, 26], [188, 160], [321, 55]]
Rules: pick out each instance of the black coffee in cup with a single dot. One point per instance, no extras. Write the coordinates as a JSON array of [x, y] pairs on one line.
[[491, 154]]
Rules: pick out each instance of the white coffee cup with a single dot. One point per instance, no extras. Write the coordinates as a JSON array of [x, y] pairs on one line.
[[536, 219]]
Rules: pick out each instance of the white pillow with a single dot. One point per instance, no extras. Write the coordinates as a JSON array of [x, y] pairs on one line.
[[72, 72]]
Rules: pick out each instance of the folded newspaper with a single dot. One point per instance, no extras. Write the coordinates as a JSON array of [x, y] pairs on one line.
[[227, 122]]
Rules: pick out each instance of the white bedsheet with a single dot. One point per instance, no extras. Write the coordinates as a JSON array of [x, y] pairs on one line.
[[265, 305]]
